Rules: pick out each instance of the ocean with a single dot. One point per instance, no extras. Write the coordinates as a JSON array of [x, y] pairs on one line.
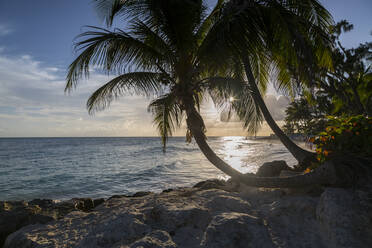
[[64, 168]]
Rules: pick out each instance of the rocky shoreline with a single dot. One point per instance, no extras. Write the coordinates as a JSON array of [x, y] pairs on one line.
[[213, 213]]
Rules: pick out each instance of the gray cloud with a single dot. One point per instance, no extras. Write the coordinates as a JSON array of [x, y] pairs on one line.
[[276, 105], [33, 103], [5, 29]]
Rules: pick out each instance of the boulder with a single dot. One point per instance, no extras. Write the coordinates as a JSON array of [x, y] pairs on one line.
[[156, 239], [210, 184], [346, 217], [79, 229], [272, 169], [191, 217], [236, 230], [98, 201], [141, 193], [83, 204], [17, 214]]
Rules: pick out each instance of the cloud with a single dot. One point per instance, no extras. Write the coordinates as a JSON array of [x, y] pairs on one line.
[[33, 103], [5, 29], [277, 106]]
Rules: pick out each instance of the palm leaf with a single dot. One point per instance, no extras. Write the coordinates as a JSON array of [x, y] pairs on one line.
[[167, 115], [221, 91], [113, 52], [208, 22], [139, 83]]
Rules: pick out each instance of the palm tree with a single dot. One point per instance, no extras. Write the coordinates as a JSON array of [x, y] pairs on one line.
[[171, 44], [289, 37], [165, 42]]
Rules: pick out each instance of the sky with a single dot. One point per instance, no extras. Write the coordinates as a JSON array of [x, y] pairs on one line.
[[36, 47]]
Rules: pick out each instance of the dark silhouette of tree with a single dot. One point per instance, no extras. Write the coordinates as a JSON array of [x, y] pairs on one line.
[[349, 84]]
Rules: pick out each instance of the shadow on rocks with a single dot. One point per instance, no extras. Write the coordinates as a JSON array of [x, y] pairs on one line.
[[17, 214]]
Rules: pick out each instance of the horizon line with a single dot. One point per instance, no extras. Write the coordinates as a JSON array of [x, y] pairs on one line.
[[25, 137]]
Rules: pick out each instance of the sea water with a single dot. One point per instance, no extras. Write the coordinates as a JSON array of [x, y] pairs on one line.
[[63, 168]]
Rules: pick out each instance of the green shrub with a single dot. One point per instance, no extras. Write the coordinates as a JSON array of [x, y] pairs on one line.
[[345, 136]]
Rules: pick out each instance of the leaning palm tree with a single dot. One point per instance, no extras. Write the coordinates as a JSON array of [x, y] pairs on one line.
[[164, 43], [171, 43], [286, 37]]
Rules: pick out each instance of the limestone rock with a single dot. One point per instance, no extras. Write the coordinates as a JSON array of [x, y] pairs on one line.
[[346, 218], [235, 230], [196, 217], [272, 169], [17, 214], [156, 239], [210, 184]]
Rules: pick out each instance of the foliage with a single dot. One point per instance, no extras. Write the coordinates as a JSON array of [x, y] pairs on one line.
[[345, 136], [162, 53], [344, 90], [348, 85], [176, 51], [303, 117]]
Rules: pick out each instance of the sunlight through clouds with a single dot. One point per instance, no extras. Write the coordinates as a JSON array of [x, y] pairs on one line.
[[33, 103]]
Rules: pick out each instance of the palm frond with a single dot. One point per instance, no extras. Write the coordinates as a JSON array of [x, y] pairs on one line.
[[112, 52], [167, 116], [208, 22], [152, 38], [109, 9], [238, 30], [232, 95], [139, 83]]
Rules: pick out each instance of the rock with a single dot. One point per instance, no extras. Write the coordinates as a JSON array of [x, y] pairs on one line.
[[79, 229], [229, 203], [141, 193], [291, 222], [236, 230], [190, 217], [97, 202], [172, 217], [210, 184], [116, 196], [346, 218], [156, 239], [42, 203], [272, 169], [83, 204], [16, 214], [167, 190]]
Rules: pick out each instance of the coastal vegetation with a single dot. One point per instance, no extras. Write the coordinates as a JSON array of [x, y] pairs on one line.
[[345, 135], [176, 52], [344, 90]]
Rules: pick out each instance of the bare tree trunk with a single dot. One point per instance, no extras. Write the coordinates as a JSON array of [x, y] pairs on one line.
[[300, 154]]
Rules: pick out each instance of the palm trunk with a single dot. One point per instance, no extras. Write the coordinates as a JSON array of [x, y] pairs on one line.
[[300, 154], [323, 175], [196, 125]]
